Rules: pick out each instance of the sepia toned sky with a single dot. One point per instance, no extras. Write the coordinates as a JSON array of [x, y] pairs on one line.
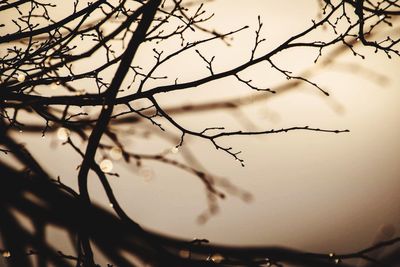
[[315, 191]]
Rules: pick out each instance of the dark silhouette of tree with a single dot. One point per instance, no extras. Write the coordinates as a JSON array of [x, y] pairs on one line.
[[41, 50]]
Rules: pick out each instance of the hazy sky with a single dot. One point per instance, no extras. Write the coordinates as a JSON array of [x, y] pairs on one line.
[[315, 191]]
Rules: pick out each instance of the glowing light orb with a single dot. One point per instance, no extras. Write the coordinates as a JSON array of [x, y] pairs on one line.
[[63, 134], [116, 153], [106, 165], [174, 150], [21, 77], [217, 258]]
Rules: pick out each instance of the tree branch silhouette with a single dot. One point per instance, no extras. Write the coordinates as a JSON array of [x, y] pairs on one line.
[[40, 50]]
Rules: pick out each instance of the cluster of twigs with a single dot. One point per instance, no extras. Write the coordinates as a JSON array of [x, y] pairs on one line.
[[39, 52]]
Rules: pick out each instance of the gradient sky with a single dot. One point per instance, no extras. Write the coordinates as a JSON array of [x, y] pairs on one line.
[[314, 191]]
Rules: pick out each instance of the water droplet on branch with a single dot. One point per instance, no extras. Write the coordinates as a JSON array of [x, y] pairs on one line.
[[63, 134], [106, 165], [21, 77], [174, 150]]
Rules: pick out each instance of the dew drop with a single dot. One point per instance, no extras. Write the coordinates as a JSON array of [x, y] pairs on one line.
[[106, 165], [174, 150], [21, 77], [63, 134]]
